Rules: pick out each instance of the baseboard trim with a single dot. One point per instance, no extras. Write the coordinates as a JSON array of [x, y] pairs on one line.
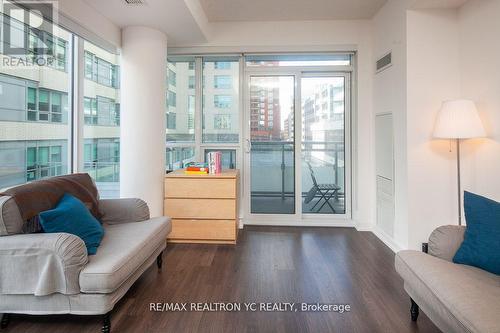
[[303, 223], [386, 239]]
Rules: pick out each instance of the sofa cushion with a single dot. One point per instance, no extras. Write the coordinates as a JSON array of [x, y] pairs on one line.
[[71, 216], [11, 222], [468, 294], [123, 249], [481, 245]]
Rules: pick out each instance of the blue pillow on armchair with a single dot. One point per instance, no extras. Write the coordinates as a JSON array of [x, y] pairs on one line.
[[71, 216], [481, 245]]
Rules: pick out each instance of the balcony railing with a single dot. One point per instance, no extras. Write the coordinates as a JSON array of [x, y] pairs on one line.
[[273, 165], [103, 171], [275, 160]]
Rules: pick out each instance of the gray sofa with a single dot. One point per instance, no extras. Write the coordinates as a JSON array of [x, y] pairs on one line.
[[457, 298], [52, 273]]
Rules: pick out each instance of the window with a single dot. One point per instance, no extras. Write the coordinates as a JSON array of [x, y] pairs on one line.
[[171, 120], [90, 110], [43, 159], [36, 100], [228, 157], [181, 102], [61, 54], [178, 157], [58, 59], [89, 66], [222, 82], [171, 77], [101, 111], [172, 99], [99, 70], [191, 106], [56, 106], [106, 111], [222, 65], [52, 105], [32, 115], [104, 70], [298, 60], [222, 121], [43, 102], [221, 112], [101, 158], [222, 101]]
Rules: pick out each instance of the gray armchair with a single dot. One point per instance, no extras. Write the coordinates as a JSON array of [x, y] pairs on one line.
[[52, 273], [457, 298]]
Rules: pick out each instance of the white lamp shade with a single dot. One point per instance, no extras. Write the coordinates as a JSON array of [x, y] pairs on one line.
[[458, 119]]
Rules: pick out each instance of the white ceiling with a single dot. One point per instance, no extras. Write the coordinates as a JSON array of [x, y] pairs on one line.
[[428, 4], [289, 10], [191, 22], [173, 17]]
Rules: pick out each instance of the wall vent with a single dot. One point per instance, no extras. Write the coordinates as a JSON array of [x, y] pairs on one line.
[[384, 62], [135, 2]]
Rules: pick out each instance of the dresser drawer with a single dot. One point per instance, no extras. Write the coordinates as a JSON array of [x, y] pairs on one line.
[[203, 230], [222, 209], [200, 188]]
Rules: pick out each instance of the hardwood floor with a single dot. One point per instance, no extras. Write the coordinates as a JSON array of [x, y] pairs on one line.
[[269, 264]]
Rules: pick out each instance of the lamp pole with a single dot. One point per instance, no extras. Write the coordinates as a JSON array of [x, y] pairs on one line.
[[458, 184]]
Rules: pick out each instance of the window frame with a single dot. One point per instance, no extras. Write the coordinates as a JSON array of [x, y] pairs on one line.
[[198, 145], [98, 65], [50, 112], [64, 155]]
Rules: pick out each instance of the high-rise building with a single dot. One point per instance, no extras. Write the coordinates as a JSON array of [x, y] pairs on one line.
[[35, 113], [220, 108], [265, 121]]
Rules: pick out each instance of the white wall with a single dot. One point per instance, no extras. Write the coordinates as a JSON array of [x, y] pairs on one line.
[[479, 28], [425, 71], [432, 77], [389, 96], [310, 36]]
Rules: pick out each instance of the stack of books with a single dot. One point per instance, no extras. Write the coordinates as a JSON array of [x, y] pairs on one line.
[[197, 169], [214, 159]]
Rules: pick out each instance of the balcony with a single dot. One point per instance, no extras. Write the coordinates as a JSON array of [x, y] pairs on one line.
[[273, 177], [107, 177]]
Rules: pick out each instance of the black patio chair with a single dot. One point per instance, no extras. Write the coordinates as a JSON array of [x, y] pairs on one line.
[[326, 192]]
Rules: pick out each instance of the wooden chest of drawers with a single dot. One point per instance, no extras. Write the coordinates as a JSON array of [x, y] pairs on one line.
[[203, 208]]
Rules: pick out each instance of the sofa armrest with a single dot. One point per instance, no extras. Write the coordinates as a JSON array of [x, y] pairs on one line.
[[444, 241], [127, 210], [41, 264]]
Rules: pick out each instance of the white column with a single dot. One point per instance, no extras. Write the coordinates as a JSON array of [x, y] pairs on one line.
[[142, 128]]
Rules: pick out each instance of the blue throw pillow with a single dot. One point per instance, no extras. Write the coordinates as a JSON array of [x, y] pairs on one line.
[[71, 216], [481, 245]]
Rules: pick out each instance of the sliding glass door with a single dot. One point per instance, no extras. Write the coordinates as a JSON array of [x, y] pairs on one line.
[[323, 106], [272, 144], [298, 144]]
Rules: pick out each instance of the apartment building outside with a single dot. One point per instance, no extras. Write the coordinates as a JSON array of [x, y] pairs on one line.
[[35, 116], [265, 113], [220, 107]]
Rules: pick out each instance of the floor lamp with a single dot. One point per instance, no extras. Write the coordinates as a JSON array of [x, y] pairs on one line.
[[458, 120]]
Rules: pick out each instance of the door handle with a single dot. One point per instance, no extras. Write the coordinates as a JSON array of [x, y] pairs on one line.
[[248, 147]]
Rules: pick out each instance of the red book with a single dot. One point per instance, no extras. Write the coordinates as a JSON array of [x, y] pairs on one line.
[[192, 168]]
